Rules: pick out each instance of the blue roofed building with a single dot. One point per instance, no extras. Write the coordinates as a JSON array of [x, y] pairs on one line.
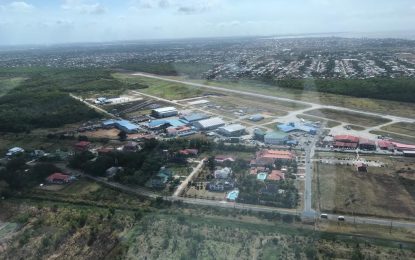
[[160, 123], [303, 127], [123, 125]]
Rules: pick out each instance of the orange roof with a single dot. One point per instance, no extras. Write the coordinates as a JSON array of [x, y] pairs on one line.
[[275, 154], [276, 175]]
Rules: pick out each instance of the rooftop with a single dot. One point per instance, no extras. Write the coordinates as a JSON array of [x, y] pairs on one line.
[[164, 109], [233, 128], [211, 122]]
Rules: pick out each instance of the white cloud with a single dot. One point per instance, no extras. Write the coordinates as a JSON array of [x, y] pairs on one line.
[[180, 6], [17, 6], [83, 7]]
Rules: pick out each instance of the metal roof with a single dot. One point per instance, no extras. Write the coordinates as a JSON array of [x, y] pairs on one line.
[[296, 127], [276, 135], [175, 122], [232, 128], [127, 124], [164, 109], [215, 121], [195, 117]]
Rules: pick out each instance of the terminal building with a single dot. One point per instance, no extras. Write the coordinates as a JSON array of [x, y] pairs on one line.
[[209, 124], [164, 112], [232, 130], [276, 138], [300, 127]]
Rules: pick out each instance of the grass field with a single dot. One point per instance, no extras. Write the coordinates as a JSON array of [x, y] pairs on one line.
[[381, 192], [90, 221], [161, 88], [395, 137], [348, 117], [401, 128], [356, 127], [7, 84], [366, 104]]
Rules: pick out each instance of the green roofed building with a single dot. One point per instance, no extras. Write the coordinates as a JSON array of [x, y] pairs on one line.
[[276, 138], [259, 134]]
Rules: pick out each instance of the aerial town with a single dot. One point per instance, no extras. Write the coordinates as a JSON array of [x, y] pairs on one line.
[[220, 142]]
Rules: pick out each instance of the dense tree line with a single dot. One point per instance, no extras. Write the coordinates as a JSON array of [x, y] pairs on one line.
[[42, 100], [399, 89], [17, 175], [139, 166], [249, 192]]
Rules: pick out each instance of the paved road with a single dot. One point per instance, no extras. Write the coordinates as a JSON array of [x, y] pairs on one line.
[[231, 205], [309, 212], [374, 221], [312, 105], [184, 184]]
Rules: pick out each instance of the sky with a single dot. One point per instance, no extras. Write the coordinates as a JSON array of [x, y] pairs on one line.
[[68, 21]]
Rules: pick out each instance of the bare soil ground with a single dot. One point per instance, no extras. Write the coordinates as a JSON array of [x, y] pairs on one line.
[[382, 191]]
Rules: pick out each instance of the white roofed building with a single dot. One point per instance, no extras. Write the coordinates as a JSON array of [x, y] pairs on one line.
[[164, 112], [209, 124], [232, 130]]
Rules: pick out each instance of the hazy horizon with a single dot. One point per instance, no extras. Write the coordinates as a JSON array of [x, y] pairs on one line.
[[91, 21]]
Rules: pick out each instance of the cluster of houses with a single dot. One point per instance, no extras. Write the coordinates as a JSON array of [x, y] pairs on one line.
[[350, 142], [263, 166], [222, 180]]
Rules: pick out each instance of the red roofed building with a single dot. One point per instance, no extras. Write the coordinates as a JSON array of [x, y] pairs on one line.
[[385, 145], [361, 167], [404, 147], [268, 157], [189, 152], [223, 158], [346, 139], [276, 175], [82, 146], [59, 178]]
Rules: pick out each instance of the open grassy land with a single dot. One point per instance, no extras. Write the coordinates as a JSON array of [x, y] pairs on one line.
[[401, 128], [348, 117], [7, 84], [232, 104], [395, 137], [382, 192], [85, 220], [367, 104], [160, 88]]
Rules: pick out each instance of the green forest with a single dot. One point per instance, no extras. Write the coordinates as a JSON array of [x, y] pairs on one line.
[[42, 99], [399, 89]]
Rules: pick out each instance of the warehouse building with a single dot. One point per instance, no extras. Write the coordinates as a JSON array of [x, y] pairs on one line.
[[209, 124], [193, 117], [232, 130], [300, 127], [123, 125], [346, 142], [276, 138], [366, 144], [164, 112]]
